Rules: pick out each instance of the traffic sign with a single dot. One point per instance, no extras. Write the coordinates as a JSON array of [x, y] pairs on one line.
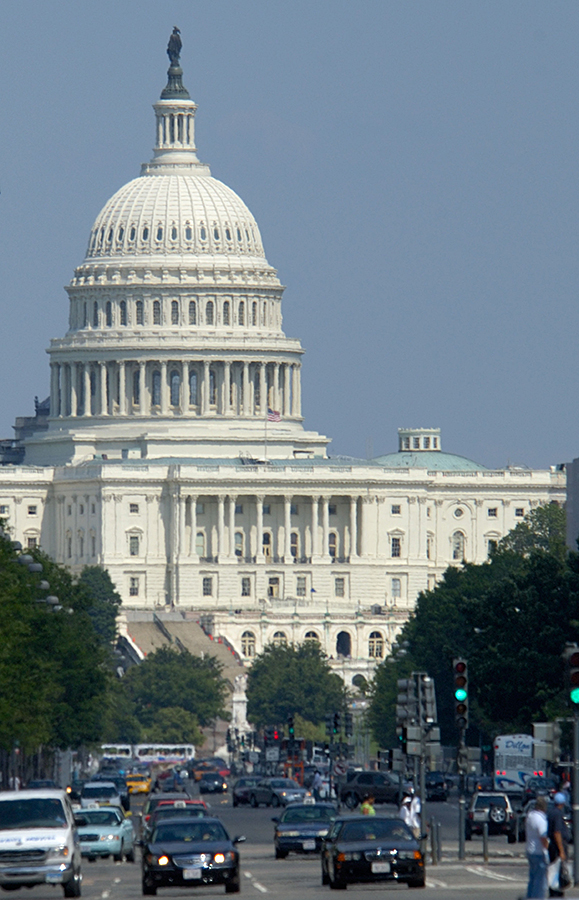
[[340, 769], [272, 754]]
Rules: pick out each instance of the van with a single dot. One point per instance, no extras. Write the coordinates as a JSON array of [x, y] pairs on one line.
[[39, 843]]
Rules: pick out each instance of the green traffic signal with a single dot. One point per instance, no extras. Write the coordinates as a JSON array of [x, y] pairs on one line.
[[460, 694], [573, 674], [574, 695]]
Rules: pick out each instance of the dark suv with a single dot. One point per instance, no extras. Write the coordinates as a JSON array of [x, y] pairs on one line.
[[496, 811], [384, 788]]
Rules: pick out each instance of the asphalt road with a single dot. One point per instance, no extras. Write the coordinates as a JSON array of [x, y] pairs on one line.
[[298, 878]]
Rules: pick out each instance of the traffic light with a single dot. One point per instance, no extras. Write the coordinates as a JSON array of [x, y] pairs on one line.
[[348, 724], [230, 745], [460, 687], [275, 735], [406, 701], [336, 723], [572, 660], [402, 735], [329, 723], [290, 725], [269, 735]]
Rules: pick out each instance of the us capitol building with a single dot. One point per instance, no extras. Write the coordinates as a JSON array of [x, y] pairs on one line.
[[172, 449]]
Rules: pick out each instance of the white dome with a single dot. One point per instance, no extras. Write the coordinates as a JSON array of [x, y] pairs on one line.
[[169, 214]]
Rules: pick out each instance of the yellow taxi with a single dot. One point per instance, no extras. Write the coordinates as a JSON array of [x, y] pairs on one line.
[[139, 783]]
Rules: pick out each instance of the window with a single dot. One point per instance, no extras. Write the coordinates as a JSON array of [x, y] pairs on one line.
[[239, 234], [228, 234], [395, 509], [295, 544], [175, 381], [139, 312], [203, 233], [212, 388], [132, 233], [492, 546], [226, 313], [4, 510], [32, 510], [239, 544], [174, 312], [81, 509], [133, 545], [133, 508], [273, 587], [339, 587], [279, 639], [427, 443], [396, 587], [84, 316], [519, 512], [192, 313], [311, 636], [216, 233], [200, 544], [248, 643], [435, 442], [239, 509], [156, 312], [246, 586], [459, 512], [93, 545], [156, 393], [429, 545], [32, 543], [192, 387], [109, 313], [69, 510], [458, 545], [93, 509], [81, 546], [396, 546], [407, 443], [333, 544], [241, 313], [301, 586], [209, 312], [145, 233], [69, 547], [376, 645], [267, 544], [332, 509], [188, 233], [207, 586], [133, 587], [159, 233], [416, 443], [136, 388], [173, 233], [123, 312], [254, 314], [95, 315], [492, 512], [266, 509], [200, 508]]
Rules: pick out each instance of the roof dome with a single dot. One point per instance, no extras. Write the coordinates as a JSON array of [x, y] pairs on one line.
[[421, 448]]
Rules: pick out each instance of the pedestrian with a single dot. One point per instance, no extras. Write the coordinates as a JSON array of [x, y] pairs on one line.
[[317, 784], [537, 849], [367, 807], [415, 810], [559, 837], [405, 812]]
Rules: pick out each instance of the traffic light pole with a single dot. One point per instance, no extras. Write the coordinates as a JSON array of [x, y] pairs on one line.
[[576, 797], [461, 798]]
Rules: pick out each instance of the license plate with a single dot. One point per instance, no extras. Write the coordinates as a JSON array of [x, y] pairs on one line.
[[54, 878], [190, 874], [380, 868], [309, 845], [480, 816]]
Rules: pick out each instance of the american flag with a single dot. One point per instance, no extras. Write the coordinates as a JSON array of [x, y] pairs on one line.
[[273, 415]]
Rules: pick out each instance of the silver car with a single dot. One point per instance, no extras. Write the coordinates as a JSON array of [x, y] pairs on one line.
[[277, 792]]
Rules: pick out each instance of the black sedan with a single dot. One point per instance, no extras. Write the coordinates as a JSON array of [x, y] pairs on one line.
[[371, 848], [190, 853], [242, 789], [212, 783], [301, 828], [436, 786]]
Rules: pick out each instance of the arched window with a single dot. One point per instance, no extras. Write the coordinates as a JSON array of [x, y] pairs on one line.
[[95, 315], [203, 233], [156, 392], [254, 313], [192, 387], [458, 545], [333, 544], [145, 233], [109, 314], [159, 233], [139, 312], [175, 381], [136, 388], [209, 312], [295, 544], [123, 312], [192, 313], [173, 233], [226, 313], [311, 636], [344, 644], [376, 645], [200, 544], [267, 544], [279, 639], [239, 544], [241, 313], [188, 233], [212, 388], [248, 644], [156, 312], [264, 321], [174, 312], [133, 233]]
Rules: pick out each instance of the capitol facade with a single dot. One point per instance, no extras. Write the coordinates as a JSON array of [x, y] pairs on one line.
[[172, 449]]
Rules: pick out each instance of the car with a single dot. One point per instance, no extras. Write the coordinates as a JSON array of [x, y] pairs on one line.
[[567, 816], [39, 783], [276, 792], [190, 853], [301, 827], [121, 783], [154, 800], [494, 809], [199, 767], [384, 788], [185, 809], [436, 786], [108, 832], [539, 785], [139, 783], [242, 787], [212, 783], [100, 793], [366, 849]]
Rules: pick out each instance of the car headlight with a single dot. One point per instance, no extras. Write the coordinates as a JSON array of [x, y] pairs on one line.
[[289, 834], [323, 832], [157, 860], [162, 860], [61, 850], [221, 858], [347, 857], [109, 837]]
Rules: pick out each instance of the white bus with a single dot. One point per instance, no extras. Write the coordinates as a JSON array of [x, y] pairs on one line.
[[169, 753], [514, 761]]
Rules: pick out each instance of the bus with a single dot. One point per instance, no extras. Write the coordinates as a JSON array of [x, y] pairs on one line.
[[514, 761], [150, 753]]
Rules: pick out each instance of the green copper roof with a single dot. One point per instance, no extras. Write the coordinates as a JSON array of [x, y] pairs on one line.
[[428, 459]]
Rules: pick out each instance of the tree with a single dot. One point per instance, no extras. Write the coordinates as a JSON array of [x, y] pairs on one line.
[[105, 601], [175, 724], [288, 679], [544, 528]]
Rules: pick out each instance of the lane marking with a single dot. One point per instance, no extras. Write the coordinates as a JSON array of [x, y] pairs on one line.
[[117, 881], [248, 874], [434, 882], [260, 887], [478, 870]]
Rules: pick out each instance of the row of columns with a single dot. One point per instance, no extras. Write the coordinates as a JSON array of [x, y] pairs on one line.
[[100, 388], [175, 129]]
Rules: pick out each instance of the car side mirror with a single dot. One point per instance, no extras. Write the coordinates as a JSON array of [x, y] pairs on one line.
[[240, 839], [275, 818], [80, 821]]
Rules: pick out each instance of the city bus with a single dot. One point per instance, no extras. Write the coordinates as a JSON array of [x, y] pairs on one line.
[[514, 761]]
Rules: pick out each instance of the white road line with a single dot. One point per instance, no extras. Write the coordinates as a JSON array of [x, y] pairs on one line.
[[434, 882], [248, 874], [478, 870], [260, 887]]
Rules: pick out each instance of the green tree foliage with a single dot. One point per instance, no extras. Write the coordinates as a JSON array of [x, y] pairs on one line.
[[105, 601], [290, 679], [174, 724], [170, 678], [542, 529]]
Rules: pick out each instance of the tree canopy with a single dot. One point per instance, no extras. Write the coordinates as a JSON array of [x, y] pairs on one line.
[[105, 601]]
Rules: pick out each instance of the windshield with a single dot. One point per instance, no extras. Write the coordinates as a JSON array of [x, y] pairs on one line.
[[101, 817], [391, 829], [196, 832], [43, 812], [310, 814], [99, 791], [190, 812]]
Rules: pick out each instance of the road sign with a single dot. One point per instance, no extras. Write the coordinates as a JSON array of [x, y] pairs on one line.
[[340, 769], [272, 754], [253, 756]]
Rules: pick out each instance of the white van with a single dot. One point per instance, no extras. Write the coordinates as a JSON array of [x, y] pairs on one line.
[[39, 843]]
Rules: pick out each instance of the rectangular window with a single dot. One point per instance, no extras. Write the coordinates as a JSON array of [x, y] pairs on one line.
[[133, 587], [239, 509], [519, 512], [133, 507], [427, 443], [69, 547], [32, 543], [81, 509], [207, 586], [293, 509], [93, 509], [301, 586], [396, 587], [32, 510], [69, 510], [81, 546], [395, 509], [246, 586], [332, 509], [134, 545], [93, 545], [493, 512], [492, 546], [273, 588], [200, 509], [416, 443], [396, 546], [266, 509], [4, 510], [339, 587], [428, 512]]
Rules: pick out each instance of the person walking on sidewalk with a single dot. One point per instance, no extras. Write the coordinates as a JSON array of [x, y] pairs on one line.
[[558, 842], [537, 849]]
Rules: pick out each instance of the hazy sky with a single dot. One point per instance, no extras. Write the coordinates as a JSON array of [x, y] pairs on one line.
[[412, 167]]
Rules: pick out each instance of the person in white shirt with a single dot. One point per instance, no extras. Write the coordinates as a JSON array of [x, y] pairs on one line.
[[537, 844]]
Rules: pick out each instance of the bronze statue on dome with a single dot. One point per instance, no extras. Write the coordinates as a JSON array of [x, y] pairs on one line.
[[174, 47]]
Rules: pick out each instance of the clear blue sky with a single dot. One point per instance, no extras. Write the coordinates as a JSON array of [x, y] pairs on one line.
[[412, 166]]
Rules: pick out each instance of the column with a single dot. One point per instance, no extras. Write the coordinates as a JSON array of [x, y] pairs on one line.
[[262, 389], [353, 526], [103, 389], [245, 388], [275, 392], [164, 403], [184, 405], [226, 388], [53, 389], [87, 391], [73, 389], [221, 525], [193, 510], [325, 525], [144, 407], [232, 527], [122, 388], [286, 391], [315, 526], [298, 387], [259, 515], [287, 510], [205, 389], [294, 391]]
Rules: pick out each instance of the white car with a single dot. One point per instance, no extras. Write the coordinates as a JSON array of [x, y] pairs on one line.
[[100, 793]]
